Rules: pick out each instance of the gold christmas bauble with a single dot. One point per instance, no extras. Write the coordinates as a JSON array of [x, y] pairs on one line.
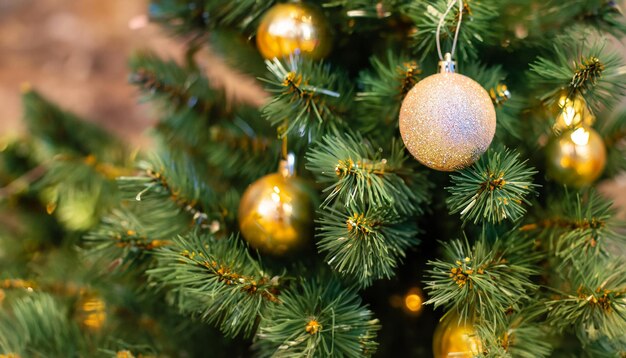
[[454, 340], [576, 157], [91, 311], [276, 214], [447, 121], [572, 111], [291, 27]]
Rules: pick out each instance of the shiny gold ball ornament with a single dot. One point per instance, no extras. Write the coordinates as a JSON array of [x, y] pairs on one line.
[[454, 339], [276, 213], [576, 157], [447, 120], [572, 111], [294, 27]]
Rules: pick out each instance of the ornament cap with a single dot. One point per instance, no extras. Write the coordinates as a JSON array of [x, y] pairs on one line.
[[447, 65]]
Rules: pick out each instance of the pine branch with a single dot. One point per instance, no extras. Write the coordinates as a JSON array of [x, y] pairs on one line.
[[358, 172], [63, 132], [18, 167], [479, 26], [582, 64], [584, 229], [237, 148], [383, 89], [217, 280], [365, 244], [308, 98], [37, 325], [595, 303], [200, 16], [174, 181], [125, 238], [184, 131], [493, 189], [190, 105], [318, 318], [79, 190], [167, 200], [238, 52], [79, 163], [240, 151], [606, 16], [178, 86], [484, 280], [522, 336]]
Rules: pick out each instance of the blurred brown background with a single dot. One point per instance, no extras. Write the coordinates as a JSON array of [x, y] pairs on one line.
[[75, 52]]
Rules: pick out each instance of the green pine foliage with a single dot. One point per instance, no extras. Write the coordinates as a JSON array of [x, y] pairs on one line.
[[335, 323], [520, 336], [594, 304], [484, 280], [384, 88], [538, 270], [76, 180], [218, 280], [309, 99], [581, 62], [581, 228], [39, 326], [356, 172], [365, 245], [492, 190]]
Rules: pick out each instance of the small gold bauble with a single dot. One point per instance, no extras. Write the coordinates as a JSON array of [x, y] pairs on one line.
[[454, 340], [287, 28], [91, 311], [572, 112], [276, 214], [411, 302], [447, 121], [576, 157]]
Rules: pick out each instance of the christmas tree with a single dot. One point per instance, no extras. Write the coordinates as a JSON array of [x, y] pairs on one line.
[[421, 180]]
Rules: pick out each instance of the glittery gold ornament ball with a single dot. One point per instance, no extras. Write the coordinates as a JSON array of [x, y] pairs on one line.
[[276, 214], [572, 112], [447, 121], [287, 28], [576, 157], [454, 339]]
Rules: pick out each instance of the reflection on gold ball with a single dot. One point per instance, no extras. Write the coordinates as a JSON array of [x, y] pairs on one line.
[[447, 121], [572, 112], [286, 28], [454, 340], [576, 157], [276, 214]]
